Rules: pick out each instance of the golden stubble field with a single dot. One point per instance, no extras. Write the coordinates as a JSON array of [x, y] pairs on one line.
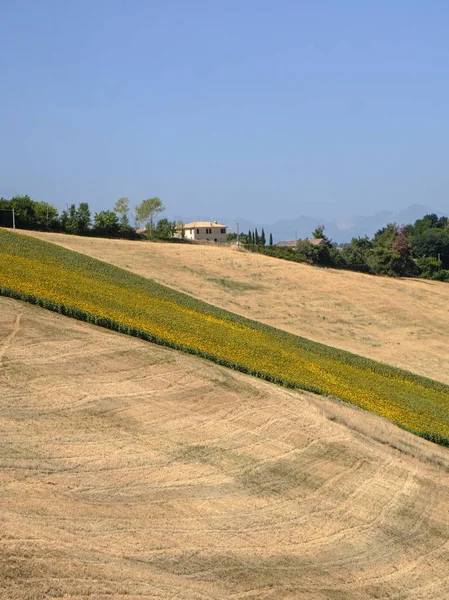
[[403, 322], [130, 470]]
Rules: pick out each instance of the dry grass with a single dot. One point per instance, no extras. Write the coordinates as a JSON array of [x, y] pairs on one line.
[[129, 470], [401, 322]]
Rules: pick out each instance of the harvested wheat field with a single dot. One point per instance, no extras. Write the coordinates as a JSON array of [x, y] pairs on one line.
[[130, 470], [402, 322]]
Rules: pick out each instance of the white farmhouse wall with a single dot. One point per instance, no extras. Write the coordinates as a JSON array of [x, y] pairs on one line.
[[204, 231]]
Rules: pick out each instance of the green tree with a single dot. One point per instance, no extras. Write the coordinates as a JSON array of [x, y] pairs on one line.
[[46, 215], [29, 214], [433, 243], [76, 220], [271, 239], [83, 214], [432, 268], [318, 232], [146, 211], [164, 229], [315, 255], [430, 221], [322, 254], [256, 237], [355, 255], [69, 219], [106, 223], [24, 212], [262, 240], [392, 252], [5, 213], [122, 208]]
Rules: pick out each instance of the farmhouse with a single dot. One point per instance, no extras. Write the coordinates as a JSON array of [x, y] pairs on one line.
[[205, 231]]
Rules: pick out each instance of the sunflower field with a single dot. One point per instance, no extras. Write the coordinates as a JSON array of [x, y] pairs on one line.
[[97, 292]]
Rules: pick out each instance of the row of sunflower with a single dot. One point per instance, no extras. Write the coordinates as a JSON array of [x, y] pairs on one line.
[[91, 290]]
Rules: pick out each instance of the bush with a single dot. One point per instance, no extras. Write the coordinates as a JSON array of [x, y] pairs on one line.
[[432, 268]]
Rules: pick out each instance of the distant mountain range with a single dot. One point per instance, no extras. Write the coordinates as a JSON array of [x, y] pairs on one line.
[[338, 229]]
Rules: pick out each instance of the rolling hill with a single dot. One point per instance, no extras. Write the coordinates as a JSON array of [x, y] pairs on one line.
[[94, 291], [402, 322], [136, 471]]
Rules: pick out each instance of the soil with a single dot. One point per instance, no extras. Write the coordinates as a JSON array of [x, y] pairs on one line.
[[131, 470]]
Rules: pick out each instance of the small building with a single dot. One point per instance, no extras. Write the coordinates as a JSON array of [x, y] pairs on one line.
[[294, 243], [315, 241], [291, 244], [205, 231]]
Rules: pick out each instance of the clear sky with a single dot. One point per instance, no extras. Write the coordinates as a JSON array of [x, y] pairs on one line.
[[243, 108]]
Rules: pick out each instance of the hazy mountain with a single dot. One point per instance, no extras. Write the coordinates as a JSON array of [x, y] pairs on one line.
[[338, 229]]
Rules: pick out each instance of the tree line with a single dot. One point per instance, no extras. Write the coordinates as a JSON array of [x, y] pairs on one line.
[[78, 219], [252, 238], [420, 249]]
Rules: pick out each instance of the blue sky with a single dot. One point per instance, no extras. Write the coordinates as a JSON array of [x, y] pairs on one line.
[[251, 109]]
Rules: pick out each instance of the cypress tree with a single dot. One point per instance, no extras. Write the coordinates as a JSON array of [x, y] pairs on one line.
[[263, 241], [256, 237], [271, 239]]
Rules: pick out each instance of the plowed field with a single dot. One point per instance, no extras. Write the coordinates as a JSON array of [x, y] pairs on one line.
[[130, 470]]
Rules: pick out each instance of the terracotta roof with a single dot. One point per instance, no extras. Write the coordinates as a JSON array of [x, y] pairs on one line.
[[203, 224], [293, 243]]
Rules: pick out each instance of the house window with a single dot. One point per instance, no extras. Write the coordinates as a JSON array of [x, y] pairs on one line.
[[223, 230], [197, 230], [208, 230]]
